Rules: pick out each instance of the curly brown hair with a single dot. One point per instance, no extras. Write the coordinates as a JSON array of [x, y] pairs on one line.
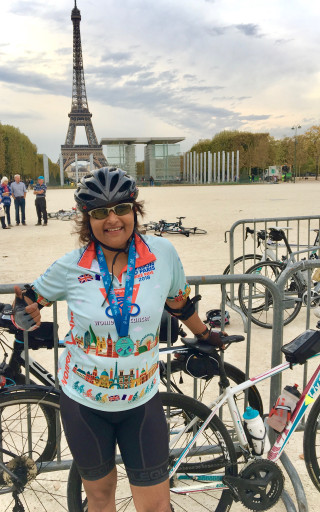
[[82, 223]]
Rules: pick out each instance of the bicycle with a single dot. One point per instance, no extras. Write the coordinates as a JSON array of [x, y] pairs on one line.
[[162, 226], [45, 399], [296, 291], [268, 244], [64, 214], [33, 449], [209, 469], [199, 369]]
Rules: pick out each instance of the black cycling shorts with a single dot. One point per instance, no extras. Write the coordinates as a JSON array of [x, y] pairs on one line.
[[141, 434]]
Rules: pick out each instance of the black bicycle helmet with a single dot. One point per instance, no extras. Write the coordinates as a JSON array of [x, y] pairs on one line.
[[214, 317], [103, 187]]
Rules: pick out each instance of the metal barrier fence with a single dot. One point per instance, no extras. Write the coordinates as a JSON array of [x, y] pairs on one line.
[[197, 282], [275, 289], [303, 238]]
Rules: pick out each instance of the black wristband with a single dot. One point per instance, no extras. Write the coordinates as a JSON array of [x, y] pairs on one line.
[[202, 334]]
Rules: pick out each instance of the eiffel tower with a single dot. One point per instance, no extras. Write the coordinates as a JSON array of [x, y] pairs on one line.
[[80, 115]]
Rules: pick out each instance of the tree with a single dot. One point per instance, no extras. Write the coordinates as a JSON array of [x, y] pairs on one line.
[[2, 152], [312, 141], [140, 170], [18, 155]]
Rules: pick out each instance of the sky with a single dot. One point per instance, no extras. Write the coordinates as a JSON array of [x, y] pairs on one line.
[[177, 68]]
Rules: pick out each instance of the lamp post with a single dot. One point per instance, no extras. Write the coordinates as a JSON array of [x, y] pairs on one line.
[[295, 128]]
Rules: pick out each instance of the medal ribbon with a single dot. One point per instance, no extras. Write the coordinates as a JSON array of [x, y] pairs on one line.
[[121, 321]]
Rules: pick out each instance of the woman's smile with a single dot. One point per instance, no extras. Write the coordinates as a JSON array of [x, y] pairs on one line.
[[114, 230]]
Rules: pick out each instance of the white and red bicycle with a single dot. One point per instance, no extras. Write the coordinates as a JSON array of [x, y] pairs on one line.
[[212, 462]]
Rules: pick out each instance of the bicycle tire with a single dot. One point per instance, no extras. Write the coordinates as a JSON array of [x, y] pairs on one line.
[[240, 266], [151, 226], [262, 305], [68, 216], [37, 406], [171, 229], [177, 231], [205, 388], [181, 408], [195, 231], [311, 444]]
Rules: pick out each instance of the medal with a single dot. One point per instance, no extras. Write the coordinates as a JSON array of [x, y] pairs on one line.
[[124, 347]]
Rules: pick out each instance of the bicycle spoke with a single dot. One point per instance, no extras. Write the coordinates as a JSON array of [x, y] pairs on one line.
[[41, 490]]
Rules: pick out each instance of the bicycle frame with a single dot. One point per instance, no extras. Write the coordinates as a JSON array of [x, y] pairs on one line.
[[35, 368], [216, 481]]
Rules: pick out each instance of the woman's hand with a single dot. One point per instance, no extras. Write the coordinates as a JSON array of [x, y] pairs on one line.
[[214, 338], [26, 317]]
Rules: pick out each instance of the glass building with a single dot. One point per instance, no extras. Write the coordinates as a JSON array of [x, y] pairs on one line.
[[161, 156]]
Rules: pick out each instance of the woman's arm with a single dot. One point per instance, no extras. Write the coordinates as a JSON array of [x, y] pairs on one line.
[[195, 324]]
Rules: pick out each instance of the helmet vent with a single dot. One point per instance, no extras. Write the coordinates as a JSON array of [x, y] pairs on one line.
[[102, 178], [93, 187], [114, 181], [125, 186], [85, 197]]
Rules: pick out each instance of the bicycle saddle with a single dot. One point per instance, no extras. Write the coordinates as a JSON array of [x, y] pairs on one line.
[[205, 348]]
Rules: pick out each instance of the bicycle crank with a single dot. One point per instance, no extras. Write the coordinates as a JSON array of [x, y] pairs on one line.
[[258, 486]]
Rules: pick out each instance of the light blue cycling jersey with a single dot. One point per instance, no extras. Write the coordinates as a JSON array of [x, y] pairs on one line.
[[91, 372]]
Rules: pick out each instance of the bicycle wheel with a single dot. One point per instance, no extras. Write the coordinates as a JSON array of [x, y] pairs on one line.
[[31, 458], [53, 215], [195, 231], [68, 216], [151, 226], [179, 410], [207, 391], [311, 444], [176, 230], [262, 303], [240, 266]]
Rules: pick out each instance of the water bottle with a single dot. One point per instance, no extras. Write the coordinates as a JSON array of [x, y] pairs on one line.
[[281, 412], [256, 431]]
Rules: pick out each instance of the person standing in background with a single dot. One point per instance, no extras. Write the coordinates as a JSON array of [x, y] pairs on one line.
[[5, 195], [40, 190], [19, 193]]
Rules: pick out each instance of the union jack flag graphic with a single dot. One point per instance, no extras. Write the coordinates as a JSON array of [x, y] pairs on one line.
[[84, 278]]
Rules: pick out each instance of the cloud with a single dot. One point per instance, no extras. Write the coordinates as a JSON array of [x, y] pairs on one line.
[[216, 31], [201, 88], [22, 115], [33, 82], [115, 56], [38, 9], [249, 29], [63, 51], [254, 117]]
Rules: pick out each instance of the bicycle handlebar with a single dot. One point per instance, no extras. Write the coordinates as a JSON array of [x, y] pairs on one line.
[[42, 337]]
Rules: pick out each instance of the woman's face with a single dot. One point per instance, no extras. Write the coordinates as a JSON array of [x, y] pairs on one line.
[[114, 230]]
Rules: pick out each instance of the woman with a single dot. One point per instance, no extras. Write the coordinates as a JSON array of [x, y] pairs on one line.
[[5, 196], [116, 287]]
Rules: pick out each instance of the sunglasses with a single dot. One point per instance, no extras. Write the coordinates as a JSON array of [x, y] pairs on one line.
[[119, 210]]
